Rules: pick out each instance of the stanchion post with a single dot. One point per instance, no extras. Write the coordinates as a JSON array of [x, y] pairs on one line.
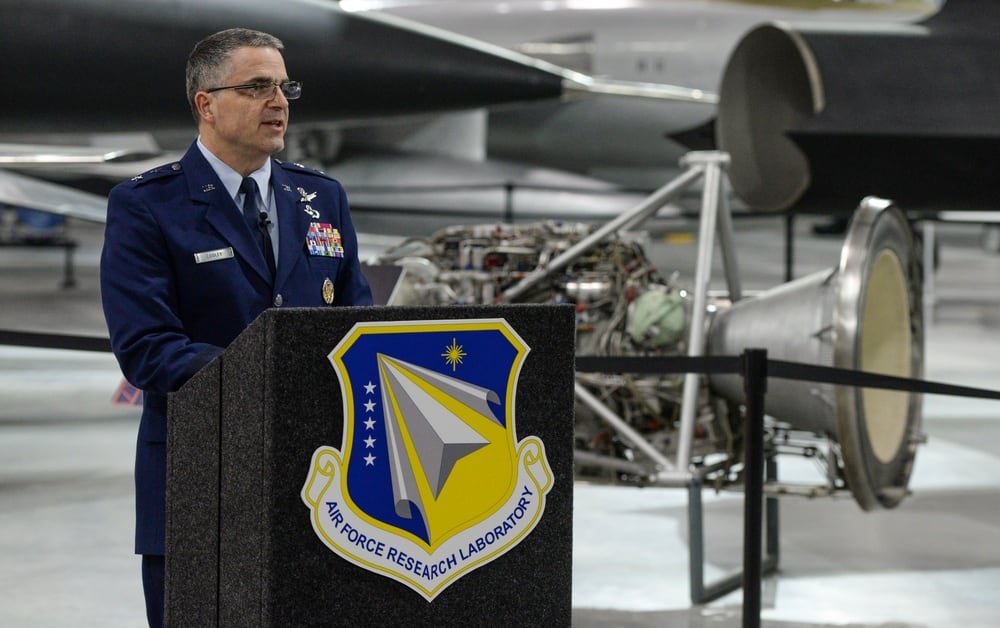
[[754, 367], [789, 246], [508, 202]]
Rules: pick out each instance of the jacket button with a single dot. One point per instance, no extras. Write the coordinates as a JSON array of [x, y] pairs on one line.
[[278, 301]]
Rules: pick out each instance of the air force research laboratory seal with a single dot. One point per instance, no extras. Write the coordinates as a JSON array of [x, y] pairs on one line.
[[431, 481]]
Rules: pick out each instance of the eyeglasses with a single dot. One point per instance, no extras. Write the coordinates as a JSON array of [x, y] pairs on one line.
[[266, 90]]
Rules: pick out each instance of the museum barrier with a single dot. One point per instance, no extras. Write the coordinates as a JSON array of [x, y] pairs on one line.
[[755, 368], [222, 548]]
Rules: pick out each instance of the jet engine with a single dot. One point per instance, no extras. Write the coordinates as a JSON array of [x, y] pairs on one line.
[[864, 314]]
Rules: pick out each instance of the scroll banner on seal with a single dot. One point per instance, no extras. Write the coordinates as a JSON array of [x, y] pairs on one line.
[[427, 573], [431, 481]]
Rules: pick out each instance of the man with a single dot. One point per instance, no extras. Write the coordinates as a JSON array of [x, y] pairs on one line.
[[189, 249]]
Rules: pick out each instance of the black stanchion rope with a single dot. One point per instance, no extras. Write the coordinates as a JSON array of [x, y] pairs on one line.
[[55, 341], [649, 365], [775, 368]]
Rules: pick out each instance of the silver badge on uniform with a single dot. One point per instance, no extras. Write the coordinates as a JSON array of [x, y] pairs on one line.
[[211, 256]]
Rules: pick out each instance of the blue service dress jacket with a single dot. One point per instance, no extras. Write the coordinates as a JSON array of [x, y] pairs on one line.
[[182, 276]]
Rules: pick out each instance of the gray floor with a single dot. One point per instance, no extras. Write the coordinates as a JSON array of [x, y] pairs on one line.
[[66, 493]]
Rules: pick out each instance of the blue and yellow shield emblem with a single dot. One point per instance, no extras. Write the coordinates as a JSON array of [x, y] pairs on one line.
[[431, 480]]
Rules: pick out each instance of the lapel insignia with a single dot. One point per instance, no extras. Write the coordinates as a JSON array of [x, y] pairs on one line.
[[137, 177], [208, 187], [284, 186]]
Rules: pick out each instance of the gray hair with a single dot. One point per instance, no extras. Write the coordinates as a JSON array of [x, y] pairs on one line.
[[206, 65]]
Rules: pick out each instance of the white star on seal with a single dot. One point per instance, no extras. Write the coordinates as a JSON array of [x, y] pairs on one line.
[[369, 388], [369, 460]]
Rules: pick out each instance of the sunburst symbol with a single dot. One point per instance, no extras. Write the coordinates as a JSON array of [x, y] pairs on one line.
[[453, 354]]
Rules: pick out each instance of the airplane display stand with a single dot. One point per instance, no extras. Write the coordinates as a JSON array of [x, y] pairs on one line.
[[376, 466]]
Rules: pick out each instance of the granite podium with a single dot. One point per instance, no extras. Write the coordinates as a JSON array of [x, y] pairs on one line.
[[376, 466]]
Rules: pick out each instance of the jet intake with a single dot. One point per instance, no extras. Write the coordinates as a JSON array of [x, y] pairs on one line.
[[815, 119]]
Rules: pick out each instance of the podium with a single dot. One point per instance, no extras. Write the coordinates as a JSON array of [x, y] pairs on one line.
[[376, 466]]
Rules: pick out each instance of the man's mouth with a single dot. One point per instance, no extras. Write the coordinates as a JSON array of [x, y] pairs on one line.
[[278, 124]]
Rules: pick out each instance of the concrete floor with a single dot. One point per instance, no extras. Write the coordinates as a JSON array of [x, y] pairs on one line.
[[66, 490]]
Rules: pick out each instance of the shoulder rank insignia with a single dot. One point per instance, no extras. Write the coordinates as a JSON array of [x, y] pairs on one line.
[[155, 173], [301, 169]]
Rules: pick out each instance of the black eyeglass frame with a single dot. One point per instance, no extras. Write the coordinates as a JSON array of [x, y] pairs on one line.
[[295, 87]]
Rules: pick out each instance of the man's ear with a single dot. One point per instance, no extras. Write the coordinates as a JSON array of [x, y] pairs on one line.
[[206, 106]]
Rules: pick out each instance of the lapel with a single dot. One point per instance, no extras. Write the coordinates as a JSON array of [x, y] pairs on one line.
[[293, 222], [221, 212]]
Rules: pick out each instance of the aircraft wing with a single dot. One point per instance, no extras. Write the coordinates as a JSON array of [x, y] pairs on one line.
[[28, 155], [357, 69], [352, 66], [20, 190]]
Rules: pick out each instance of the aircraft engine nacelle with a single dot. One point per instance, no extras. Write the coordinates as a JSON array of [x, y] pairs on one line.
[[815, 119]]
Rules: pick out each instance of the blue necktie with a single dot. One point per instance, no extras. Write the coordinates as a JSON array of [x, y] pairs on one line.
[[256, 217]]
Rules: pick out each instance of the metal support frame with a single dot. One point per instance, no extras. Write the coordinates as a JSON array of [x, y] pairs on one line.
[[715, 222], [930, 294], [789, 246], [626, 220], [702, 591], [712, 163]]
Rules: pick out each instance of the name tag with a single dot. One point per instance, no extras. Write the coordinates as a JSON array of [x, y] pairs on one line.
[[212, 256]]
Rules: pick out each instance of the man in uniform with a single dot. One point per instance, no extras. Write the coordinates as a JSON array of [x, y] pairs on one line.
[[195, 250]]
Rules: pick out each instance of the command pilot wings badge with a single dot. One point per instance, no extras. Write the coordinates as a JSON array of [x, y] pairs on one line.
[[431, 481]]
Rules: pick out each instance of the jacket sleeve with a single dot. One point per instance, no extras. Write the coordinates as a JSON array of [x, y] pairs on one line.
[[353, 288], [139, 294]]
